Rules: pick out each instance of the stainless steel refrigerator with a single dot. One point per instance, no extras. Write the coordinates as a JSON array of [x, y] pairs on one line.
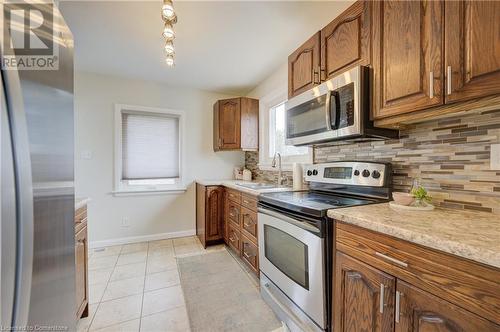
[[37, 190]]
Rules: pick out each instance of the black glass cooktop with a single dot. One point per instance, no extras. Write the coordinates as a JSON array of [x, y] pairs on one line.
[[310, 202]]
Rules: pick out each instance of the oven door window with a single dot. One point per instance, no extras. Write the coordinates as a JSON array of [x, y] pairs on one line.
[[307, 119], [287, 254]]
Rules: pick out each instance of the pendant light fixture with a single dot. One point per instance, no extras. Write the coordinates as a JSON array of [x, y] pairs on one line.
[[169, 18]]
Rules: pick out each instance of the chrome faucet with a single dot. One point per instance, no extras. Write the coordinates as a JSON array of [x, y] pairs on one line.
[[280, 171]]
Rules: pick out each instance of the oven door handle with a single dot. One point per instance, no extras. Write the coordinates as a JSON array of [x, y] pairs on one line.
[[299, 223]]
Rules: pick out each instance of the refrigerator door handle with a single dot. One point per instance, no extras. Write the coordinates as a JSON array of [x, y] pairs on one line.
[[8, 217], [24, 195]]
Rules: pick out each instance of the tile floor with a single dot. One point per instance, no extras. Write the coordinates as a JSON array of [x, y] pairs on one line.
[[136, 287]]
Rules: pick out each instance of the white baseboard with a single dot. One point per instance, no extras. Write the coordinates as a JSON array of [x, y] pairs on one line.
[[142, 238]]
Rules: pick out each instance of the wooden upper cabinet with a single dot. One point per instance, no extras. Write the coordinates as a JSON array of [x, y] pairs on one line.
[[346, 41], [423, 312], [236, 124], [363, 296], [229, 123], [472, 49], [407, 56], [304, 66]]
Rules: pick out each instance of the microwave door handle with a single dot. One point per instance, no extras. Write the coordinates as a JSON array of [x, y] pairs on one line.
[[327, 110], [335, 99]]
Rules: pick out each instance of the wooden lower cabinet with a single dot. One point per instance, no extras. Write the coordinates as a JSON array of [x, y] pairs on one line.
[[234, 237], [209, 214], [81, 263], [250, 253], [364, 297], [420, 311], [229, 216], [249, 223], [241, 224], [423, 290]]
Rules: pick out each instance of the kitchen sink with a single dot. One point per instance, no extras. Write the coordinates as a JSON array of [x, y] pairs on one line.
[[258, 186]]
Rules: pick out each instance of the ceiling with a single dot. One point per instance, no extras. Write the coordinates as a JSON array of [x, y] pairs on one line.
[[223, 46]]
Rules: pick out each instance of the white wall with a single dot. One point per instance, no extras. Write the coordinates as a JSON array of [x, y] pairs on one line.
[[277, 81], [149, 215]]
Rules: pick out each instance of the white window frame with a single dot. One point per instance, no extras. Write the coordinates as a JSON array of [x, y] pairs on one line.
[[123, 187], [272, 99]]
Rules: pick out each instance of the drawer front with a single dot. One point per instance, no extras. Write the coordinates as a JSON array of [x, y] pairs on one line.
[[248, 201], [233, 213], [234, 195], [234, 238], [470, 285], [249, 223], [250, 253]]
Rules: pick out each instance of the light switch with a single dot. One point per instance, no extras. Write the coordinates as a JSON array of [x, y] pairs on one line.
[[86, 154], [495, 157]]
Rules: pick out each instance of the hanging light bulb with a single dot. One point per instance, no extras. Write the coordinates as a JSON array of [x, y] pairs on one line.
[[170, 60], [167, 10], [169, 47], [168, 31]]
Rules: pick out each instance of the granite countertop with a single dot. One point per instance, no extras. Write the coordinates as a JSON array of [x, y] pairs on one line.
[[468, 234], [81, 201], [233, 185]]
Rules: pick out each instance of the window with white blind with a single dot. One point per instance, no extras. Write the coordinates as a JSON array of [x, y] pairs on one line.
[[148, 149]]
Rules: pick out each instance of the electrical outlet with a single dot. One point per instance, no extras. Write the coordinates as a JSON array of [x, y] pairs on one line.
[[86, 154], [495, 157], [125, 222]]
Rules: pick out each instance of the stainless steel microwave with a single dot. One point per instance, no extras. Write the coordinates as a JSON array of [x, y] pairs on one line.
[[336, 110]]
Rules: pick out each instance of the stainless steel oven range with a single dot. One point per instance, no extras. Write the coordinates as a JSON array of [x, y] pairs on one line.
[[296, 238]]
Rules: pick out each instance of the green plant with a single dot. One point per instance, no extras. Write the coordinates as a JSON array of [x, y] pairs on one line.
[[421, 194]]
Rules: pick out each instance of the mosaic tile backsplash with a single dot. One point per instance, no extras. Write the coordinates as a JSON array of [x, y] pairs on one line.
[[451, 157]]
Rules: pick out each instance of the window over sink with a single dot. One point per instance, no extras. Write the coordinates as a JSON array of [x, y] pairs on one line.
[[148, 150], [273, 122]]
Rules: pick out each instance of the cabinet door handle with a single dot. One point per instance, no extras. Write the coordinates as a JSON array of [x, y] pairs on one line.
[[448, 79], [398, 305], [390, 259], [431, 85], [382, 288]]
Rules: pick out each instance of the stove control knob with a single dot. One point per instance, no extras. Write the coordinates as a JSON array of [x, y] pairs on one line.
[[356, 172], [375, 174], [315, 172], [366, 173], [309, 173]]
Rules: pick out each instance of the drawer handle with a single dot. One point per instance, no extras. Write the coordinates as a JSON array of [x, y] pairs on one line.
[[390, 259], [232, 239]]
